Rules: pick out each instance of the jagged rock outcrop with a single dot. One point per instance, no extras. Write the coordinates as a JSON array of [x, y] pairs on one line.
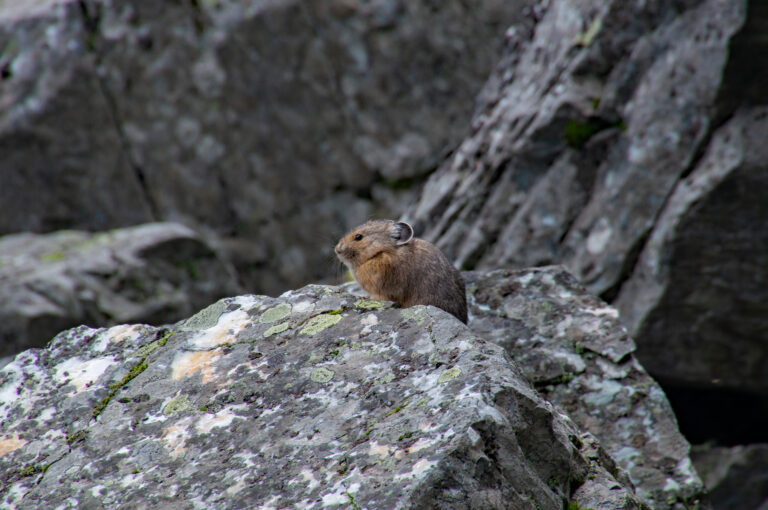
[[278, 125], [624, 140], [317, 398], [153, 273], [575, 351]]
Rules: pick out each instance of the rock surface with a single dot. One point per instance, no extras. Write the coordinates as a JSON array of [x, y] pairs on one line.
[[701, 278], [314, 399], [153, 273], [252, 118], [736, 477], [572, 347], [623, 140]]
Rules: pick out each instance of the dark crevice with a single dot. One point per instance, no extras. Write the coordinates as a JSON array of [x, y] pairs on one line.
[[725, 416], [716, 122], [91, 21], [229, 211], [746, 71], [627, 268]]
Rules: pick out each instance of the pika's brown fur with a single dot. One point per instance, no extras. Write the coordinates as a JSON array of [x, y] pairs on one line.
[[389, 263]]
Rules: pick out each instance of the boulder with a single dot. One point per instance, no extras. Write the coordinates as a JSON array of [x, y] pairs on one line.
[[278, 125], [624, 140], [701, 278], [318, 398], [154, 273], [572, 347]]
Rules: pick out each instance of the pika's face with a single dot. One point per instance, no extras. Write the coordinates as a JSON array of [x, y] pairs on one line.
[[371, 239]]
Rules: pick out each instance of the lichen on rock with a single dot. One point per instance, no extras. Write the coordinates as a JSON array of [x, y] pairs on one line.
[[357, 406]]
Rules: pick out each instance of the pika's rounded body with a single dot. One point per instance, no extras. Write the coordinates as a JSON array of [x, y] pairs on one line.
[[389, 263]]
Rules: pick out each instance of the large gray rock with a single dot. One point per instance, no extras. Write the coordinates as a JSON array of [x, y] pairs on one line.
[[277, 124], [153, 273], [617, 138], [702, 277], [574, 350], [314, 399]]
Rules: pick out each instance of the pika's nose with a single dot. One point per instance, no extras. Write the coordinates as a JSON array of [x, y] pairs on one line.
[[337, 249]]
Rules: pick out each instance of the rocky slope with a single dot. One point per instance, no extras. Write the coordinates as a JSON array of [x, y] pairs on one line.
[[324, 398]]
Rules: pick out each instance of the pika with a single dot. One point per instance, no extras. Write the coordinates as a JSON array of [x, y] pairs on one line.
[[389, 263]]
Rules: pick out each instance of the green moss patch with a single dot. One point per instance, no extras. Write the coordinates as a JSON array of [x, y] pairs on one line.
[[135, 371], [53, 257], [577, 133]]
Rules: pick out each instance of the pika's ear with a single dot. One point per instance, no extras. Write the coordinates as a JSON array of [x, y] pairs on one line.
[[402, 233]]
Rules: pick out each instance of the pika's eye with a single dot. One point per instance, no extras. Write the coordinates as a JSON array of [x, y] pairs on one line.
[[358, 237]]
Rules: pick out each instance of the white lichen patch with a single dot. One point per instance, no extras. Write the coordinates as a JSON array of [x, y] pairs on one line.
[[223, 332], [175, 437], [303, 306], [247, 458], [223, 418], [10, 444], [10, 392], [603, 391], [81, 373], [425, 381], [131, 479], [121, 333], [47, 414], [605, 311], [570, 361], [237, 487], [380, 450], [336, 499], [271, 502], [308, 476], [421, 444], [684, 468], [16, 493], [562, 330], [625, 456], [418, 470], [96, 491], [186, 364], [599, 236], [368, 322]]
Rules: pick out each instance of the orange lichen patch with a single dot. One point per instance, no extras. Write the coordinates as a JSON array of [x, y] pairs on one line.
[[175, 437], [189, 363], [10, 444]]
